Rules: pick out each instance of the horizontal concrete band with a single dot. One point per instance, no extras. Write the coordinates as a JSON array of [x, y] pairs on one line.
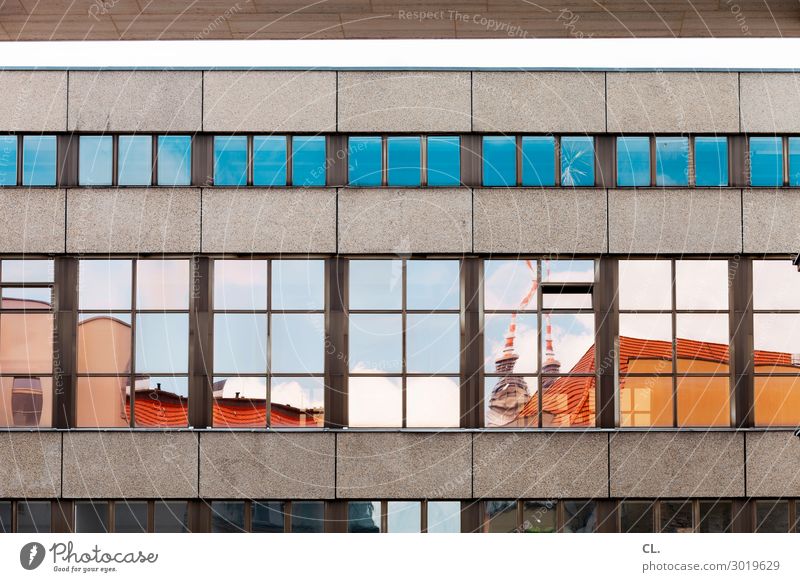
[[398, 465], [399, 101]]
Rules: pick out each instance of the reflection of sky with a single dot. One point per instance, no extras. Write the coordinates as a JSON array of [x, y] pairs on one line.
[[777, 332], [701, 284], [298, 284], [404, 516], [8, 160], [364, 161], [174, 160], [633, 161], [162, 342], [705, 327], [39, 160], [645, 285], [240, 343], [433, 402], [499, 160], [27, 271], [95, 160], [230, 160], [376, 343], [652, 326], [245, 386], [444, 160], [538, 160], [269, 160], [444, 517], [37, 294], [104, 284], [179, 386], [240, 284], [308, 160], [135, 160], [375, 402], [495, 329], [568, 271], [432, 285], [573, 335], [507, 282], [301, 393], [376, 284], [404, 161], [298, 342], [162, 284], [672, 161], [433, 342], [776, 285]]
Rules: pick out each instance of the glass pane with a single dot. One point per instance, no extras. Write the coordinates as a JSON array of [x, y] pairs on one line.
[[676, 517], [230, 160], [298, 284], [711, 161], [433, 402], [298, 343], [5, 517], [404, 159], [577, 161], [161, 401], [171, 517], [568, 401], [308, 516], [777, 401], [104, 343], [500, 517], [579, 516], [174, 160], [715, 517], [91, 517], [39, 160], [404, 517], [8, 160], [568, 271], [135, 160], [794, 161], [636, 517], [568, 343], [776, 338], [28, 298], [240, 402], [240, 343], [645, 401], [375, 402], [162, 284], [444, 517], [103, 402], [645, 285], [444, 160], [104, 284], [539, 517], [538, 160], [376, 343], [776, 285], [26, 402], [240, 284], [701, 284], [633, 161], [95, 160], [130, 516], [267, 517], [364, 517], [297, 402], [772, 517], [566, 300], [433, 343], [702, 343], [509, 401], [162, 343], [672, 161], [376, 284], [510, 343], [28, 271], [227, 516], [269, 160], [432, 284], [364, 161], [499, 160], [33, 516], [26, 343], [308, 160], [704, 401], [510, 285], [766, 161]]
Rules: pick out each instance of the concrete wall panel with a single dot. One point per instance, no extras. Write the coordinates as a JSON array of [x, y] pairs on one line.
[[773, 464], [30, 465], [770, 102], [32, 220], [770, 221], [33, 100]]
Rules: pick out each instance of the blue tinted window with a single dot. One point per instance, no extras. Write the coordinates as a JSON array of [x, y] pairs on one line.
[[499, 160], [444, 160], [404, 158], [135, 163], [766, 161], [8, 160], [672, 161], [577, 161], [174, 160], [711, 161], [633, 161], [794, 161], [95, 160], [39, 160], [308, 160], [364, 161], [538, 161], [269, 160], [230, 160]]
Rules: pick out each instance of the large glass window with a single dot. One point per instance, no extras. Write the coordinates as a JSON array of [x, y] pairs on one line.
[[776, 339], [499, 160], [269, 330], [8, 160], [531, 516], [633, 161], [39, 160], [794, 161], [674, 334], [404, 343], [91, 516], [711, 161], [538, 160], [404, 516], [26, 343], [174, 160], [95, 160], [308, 160], [539, 343], [33, 516], [444, 160], [577, 160], [365, 161], [269, 160], [672, 161], [230, 160], [133, 343], [404, 161], [766, 161], [135, 160]]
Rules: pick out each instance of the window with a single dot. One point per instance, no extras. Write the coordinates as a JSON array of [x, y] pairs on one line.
[[406, 164], [135, 160], [676, 517], [230, 160], [636, 517], [444, 160], [499, 160], [269, 160], [577, 161], [174, 160], [404, 516], [269, 333], [443, 516], [633, 161], [766, 161], [672, 161], [539, 343], [711, 161], [95, 160], [530, 516], [39, 160], [364, 517], [794, 161], [170, 517], [404, 343], [771, 516], [404, 160], [133, 343], [130, 516], [8, 160], [538, 160], [91, 517], [365, 161], [26, 343], [776, 339], [227, 516], [674, 312], [308, 160], [33, 516], [6, 509]]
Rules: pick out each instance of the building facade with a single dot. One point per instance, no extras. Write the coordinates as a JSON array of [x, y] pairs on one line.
[[399, 300]]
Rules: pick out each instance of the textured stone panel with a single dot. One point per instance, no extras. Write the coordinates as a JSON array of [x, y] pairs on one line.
[[773, 464], [33, 100], [30, 465], [770, 102], [32, 220], [770, 221]]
